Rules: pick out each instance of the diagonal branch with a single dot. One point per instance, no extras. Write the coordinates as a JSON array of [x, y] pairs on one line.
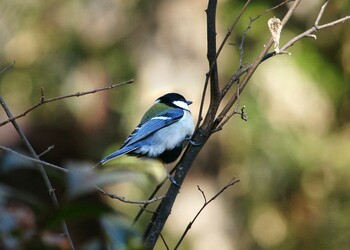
[[242, 70], [7, 67], [320, 14], [123, 199], [252, 69], [38, 161], [213, 63], [206, 203], [66, 171], [213, 74], [203, 133], [77, 94], [40, 168], [310, 32], [144, 206]]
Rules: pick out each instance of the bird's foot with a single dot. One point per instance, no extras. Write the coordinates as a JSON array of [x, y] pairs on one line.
[[171, 178], [193, 143]]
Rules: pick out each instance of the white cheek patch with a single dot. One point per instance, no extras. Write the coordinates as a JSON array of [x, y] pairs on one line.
[[182, 105]]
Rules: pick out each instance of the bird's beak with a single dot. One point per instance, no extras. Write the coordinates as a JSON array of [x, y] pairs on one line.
[[188, 102]]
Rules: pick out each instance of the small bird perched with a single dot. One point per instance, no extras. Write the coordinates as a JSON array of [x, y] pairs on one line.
[[161, 132]]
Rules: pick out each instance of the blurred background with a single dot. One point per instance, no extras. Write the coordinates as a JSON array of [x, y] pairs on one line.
[[291, 156]]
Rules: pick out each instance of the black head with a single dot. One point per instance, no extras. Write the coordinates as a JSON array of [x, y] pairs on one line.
[[174, 99]]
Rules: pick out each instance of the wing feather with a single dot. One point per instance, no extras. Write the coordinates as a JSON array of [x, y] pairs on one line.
[[122, 151], [154, 124]]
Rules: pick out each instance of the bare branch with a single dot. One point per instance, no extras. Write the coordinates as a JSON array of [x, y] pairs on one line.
[[47, 150], [40, 167], [206, 203], [7, 67], [309, 33], [242, 113], [228, 34], [203, 194], [155, 191], [320, 14], [242, 69], [64, 170], [206, 128], [213, 74], [165, 244], [201, 136], [123, 199], [252, 68], [44, 163], [43, 100]]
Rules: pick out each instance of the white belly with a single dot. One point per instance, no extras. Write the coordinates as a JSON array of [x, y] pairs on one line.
[[169, 137]]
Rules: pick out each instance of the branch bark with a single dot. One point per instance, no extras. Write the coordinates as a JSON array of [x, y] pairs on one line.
[[203, 133]]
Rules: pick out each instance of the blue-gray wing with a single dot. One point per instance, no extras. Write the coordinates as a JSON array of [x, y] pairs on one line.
[[154, 124]]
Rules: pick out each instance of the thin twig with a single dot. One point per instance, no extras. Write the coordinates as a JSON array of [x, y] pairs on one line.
[[66, 171], [123, 199], [206, 203], [309, 32], [252, 69], [242, 113], [165, 244], [164, 209], [241, 46], [143, 207], [43, 100], [228, 34], [155, 191], [47, 150], [320, 14], [146, 210], [40, 168], [44, 163], [242, 69], [7, 67]]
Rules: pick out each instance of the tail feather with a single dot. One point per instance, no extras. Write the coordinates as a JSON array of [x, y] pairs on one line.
[[117, 153]]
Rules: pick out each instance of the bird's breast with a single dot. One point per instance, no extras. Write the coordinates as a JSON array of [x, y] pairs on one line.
[[169, 137]]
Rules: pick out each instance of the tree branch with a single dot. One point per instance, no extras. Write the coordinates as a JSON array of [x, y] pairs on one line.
[[155, 191], [40, 168], [224, 41], [242, 70], [123, 199], [43, 100], [309, 33], [215, 95], [66, 171], [189, 226], [7, 67], [44, 163], [252, 69], [200, 137]]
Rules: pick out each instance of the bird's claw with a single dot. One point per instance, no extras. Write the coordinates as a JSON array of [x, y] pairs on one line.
[[171, 178], [193, 143]]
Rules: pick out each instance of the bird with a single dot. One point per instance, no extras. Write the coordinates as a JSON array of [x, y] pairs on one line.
[[162, 132]]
